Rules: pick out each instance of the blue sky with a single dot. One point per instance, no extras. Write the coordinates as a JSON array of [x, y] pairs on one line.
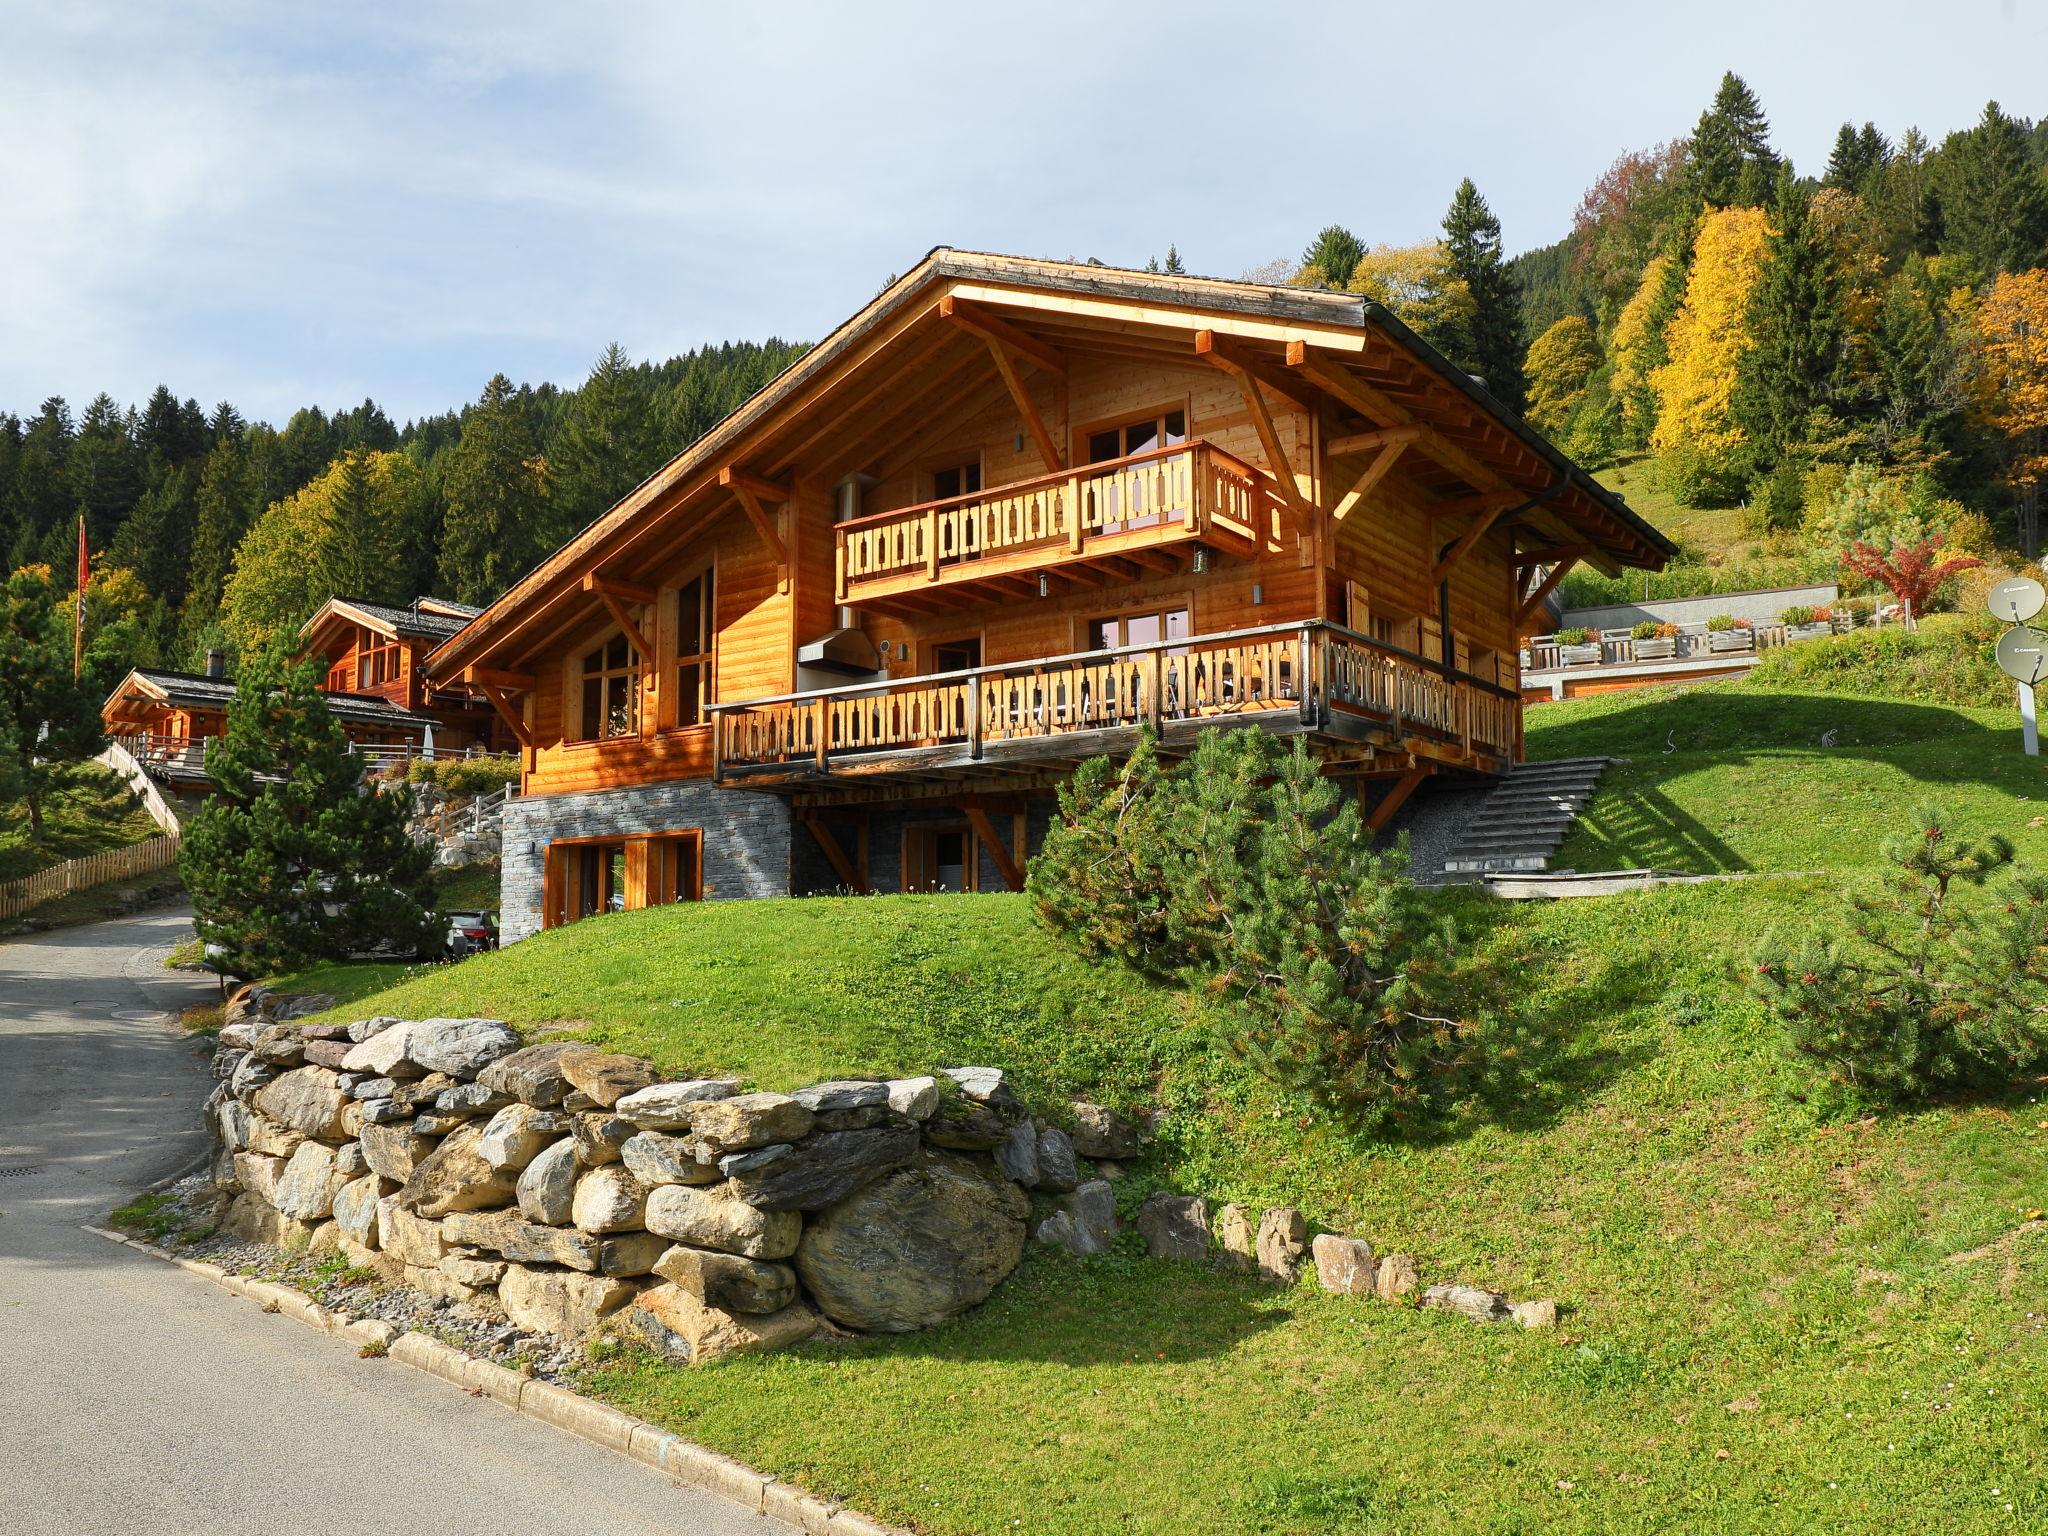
[[282, 204]]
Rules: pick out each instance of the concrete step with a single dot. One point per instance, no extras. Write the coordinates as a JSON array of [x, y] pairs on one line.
[[1526, 818]]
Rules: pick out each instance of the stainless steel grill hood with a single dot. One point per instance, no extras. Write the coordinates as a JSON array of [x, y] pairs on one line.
[[845, 647]]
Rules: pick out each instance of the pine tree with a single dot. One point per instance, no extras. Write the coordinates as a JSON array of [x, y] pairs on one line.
[[1731, 157], [1858, 161], [1493, 346], [355, 556], [1796, 329], [1173, 267], [103, 470], [157, 538], [225, 510], [1331, 259], [1993, 198], [295, 858], [608, 444], [496, 491], [47, 720]]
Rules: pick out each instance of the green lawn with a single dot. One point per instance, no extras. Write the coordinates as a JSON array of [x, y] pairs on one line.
[[1714, 533], [89, 811]]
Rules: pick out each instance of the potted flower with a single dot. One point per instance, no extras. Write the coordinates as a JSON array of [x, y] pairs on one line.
[[1803, 622], [1576, 647], [1726, 633], [1654, 641]]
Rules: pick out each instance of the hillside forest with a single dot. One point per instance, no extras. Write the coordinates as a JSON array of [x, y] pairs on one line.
[[1816, 360]]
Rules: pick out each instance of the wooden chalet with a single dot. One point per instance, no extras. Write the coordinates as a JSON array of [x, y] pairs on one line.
[[1007, 515], [375, 650]]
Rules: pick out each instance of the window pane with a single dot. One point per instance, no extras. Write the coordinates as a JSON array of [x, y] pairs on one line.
[[970, 479], [690, 617], [1138, 438], [689, 693], [1104, 445], [593, 708], [945, 483], [1177, 624], [1101, 634], [1176, 427], [1141, 629]]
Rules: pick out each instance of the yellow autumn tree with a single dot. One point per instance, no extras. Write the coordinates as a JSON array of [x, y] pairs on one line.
[[2012, 365], [1415, 282], [1559, 363], [1635, 345], [1695, 387]]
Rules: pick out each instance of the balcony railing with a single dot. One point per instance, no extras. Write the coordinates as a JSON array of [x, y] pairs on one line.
[[1326, 678], [1192, 492]]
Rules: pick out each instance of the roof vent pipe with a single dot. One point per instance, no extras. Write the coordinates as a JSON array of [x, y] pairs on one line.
[[845, 648], [216, 662]]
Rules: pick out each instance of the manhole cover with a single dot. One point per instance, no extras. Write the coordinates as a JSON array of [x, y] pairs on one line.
[[17, 1173], [137, 1015]]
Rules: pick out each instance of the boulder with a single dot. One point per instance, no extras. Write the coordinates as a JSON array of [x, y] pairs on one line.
[[410, 1239], [609, 1199], [1175, 1226], [435, 1123], [355, 1208], [238, 1036], [1017, 1154], [679, 1324], [1344, 1265], [383, 1053], [459, 1047], [1085, 1222], [827, 1098], [516, 1134], [270, 1137], [719, 1218], [733, 1164], [748, 1120], [1057, 1169], [728, 1281], [257, 1173], [1235, 1240], [915, 1247], [916, 1097], [393, 1150], [1100, 1132], [561, 1302], [456, 1176], [1535, 1314], [547, 1187], [280, 1045], [533, 1075], [249, 1077], [513, 1237], [1397, 1277], [256, 1220], [966, 1126], [667, 1106], [1283, 1238], [478, 1098], [1482, 1306], [654, 1159], [308, 1183], [362, 1029], [601, 1138], [823, 1170], [605, 1077], [983, 1085], [364, 1089], [307, 1100], [327, 1053]]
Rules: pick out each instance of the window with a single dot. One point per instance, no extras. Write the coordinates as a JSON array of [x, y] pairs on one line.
[[1122, 687], [1129, 499], [675, 869], [1167, 429], [611, 691], [940, 859], [695, 630], [956, 480], [587, 878], [1137, 629], [956, 655]]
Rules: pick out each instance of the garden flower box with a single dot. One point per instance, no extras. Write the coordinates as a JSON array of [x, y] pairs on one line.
[[1811, 631], [1659, 649], [1722, 641], [1587, 655]]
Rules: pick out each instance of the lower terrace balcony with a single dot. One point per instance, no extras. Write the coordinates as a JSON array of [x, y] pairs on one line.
[[1352, 696], [1111, 520]]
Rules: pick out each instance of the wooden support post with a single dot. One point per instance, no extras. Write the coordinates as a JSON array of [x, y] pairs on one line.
[[1373, 474], [1543, 589], [849, 875], [1027, 408], [1392, 801], [1006, 863], [973, 317], [752, 491], [1219, 352], [512, 717], [628, 628], [1466, 541]]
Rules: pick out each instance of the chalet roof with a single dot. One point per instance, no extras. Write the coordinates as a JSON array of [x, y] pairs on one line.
[[192, 690], [1343, 347], [424, 618]]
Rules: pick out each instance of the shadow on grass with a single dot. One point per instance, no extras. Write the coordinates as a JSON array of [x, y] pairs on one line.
[[1739, 720], [1638, 826]]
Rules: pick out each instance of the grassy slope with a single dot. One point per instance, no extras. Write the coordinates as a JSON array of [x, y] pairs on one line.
[[1715, 532], [90, 811]]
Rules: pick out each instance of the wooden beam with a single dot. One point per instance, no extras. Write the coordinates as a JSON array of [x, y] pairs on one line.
[[1550, 553], [512, 717], [1027, 408], [972, 317], [1370, 403], [1222, 355], [1374, 473], [624, 591], [1466, 541], [764, 525], [1366, 442], [494, 677], [1006, 864], [1543, 589], [1392, 801], [1228, 352], [842, 866], [760, 487], [630, 630]]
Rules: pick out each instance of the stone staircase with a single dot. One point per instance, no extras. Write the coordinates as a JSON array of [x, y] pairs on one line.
[[1525, 819]]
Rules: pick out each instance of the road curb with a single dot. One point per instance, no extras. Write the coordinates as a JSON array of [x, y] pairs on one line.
[[601, 1424]]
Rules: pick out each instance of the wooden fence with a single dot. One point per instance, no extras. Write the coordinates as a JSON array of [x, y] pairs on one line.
[[18, 896]]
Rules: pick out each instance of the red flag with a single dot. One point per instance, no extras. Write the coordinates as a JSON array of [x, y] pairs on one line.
[[78, 614]]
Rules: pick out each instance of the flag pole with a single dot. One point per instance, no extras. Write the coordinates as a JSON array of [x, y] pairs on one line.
[[78, 608]]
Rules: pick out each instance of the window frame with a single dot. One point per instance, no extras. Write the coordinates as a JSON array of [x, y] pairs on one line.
[[1157, 415], [635, 672], [706, 660]]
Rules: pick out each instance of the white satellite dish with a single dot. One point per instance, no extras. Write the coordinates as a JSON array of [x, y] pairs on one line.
[[2023, 656], [2016, 599]]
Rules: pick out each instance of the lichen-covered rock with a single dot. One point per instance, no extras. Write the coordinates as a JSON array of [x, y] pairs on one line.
[[727, 1280], [515, 1135], [469, 1099], [914, 1247], [308, 1183], [609, 1199], [280, 1045], [355, 1208], [719, 1218], [748, 1120], [236, 1120], [965, 1126], [824, 1169], [460, 1047], [1397, 1278], [606, 1077], [667, 1106], [533, 1075], [1175, 1226], [394, 1150], [456, 1176], [1057, 1169], [383, 1053], [1100, 1132], [1085, 1222], [1344, 1265], [249, 1078], [307, 1100], [1283, 1239], [1017, 1154], [559, 1301], [547, 1186], [655, 1159], [1482, 1306], [681, 1325]]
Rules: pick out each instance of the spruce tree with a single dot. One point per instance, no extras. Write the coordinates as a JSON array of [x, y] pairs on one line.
[[156, 540], [356, 554], [1492, 345], [1858, 161], [1993, 198], [1173, 267], [104, 470], [1331, 259], [296, 857], [608, 444], [1796, 327], [1731, 158], [496, 492], [225, 511]]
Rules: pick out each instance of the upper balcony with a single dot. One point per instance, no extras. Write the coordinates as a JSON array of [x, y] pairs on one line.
[[1107, 521]]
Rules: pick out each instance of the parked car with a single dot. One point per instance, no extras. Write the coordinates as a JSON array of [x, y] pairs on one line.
[[471, 933]]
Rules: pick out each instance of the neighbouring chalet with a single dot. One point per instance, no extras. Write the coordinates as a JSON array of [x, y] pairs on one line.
[[1001, 519], [376, 687]]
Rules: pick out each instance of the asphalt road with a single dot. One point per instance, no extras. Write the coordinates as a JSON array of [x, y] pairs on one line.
[[138, 1399]]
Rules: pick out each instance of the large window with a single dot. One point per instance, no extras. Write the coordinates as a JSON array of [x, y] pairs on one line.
[[695, 631], [611, 691], [956, 480], [1132, 499], [589, 878], [1166, 429]]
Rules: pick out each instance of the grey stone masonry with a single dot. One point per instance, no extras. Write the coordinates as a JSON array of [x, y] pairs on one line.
[[746, 840]]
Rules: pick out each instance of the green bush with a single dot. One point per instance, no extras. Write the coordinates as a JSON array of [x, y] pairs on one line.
[[1647, 630], [464, 775], [1914, 993], [1798, 613], [1720, 624], [1700, 479], [1946, 660], [1573, 635], [1692, 577]]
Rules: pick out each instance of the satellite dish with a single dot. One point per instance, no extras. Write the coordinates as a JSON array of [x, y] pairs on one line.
[[2016, 599], [2023, 654]]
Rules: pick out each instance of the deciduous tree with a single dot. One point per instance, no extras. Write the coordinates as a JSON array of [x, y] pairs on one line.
[[2012, 352], [1560, 364], [46, 718], [1910, 571], [1708, 339]]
